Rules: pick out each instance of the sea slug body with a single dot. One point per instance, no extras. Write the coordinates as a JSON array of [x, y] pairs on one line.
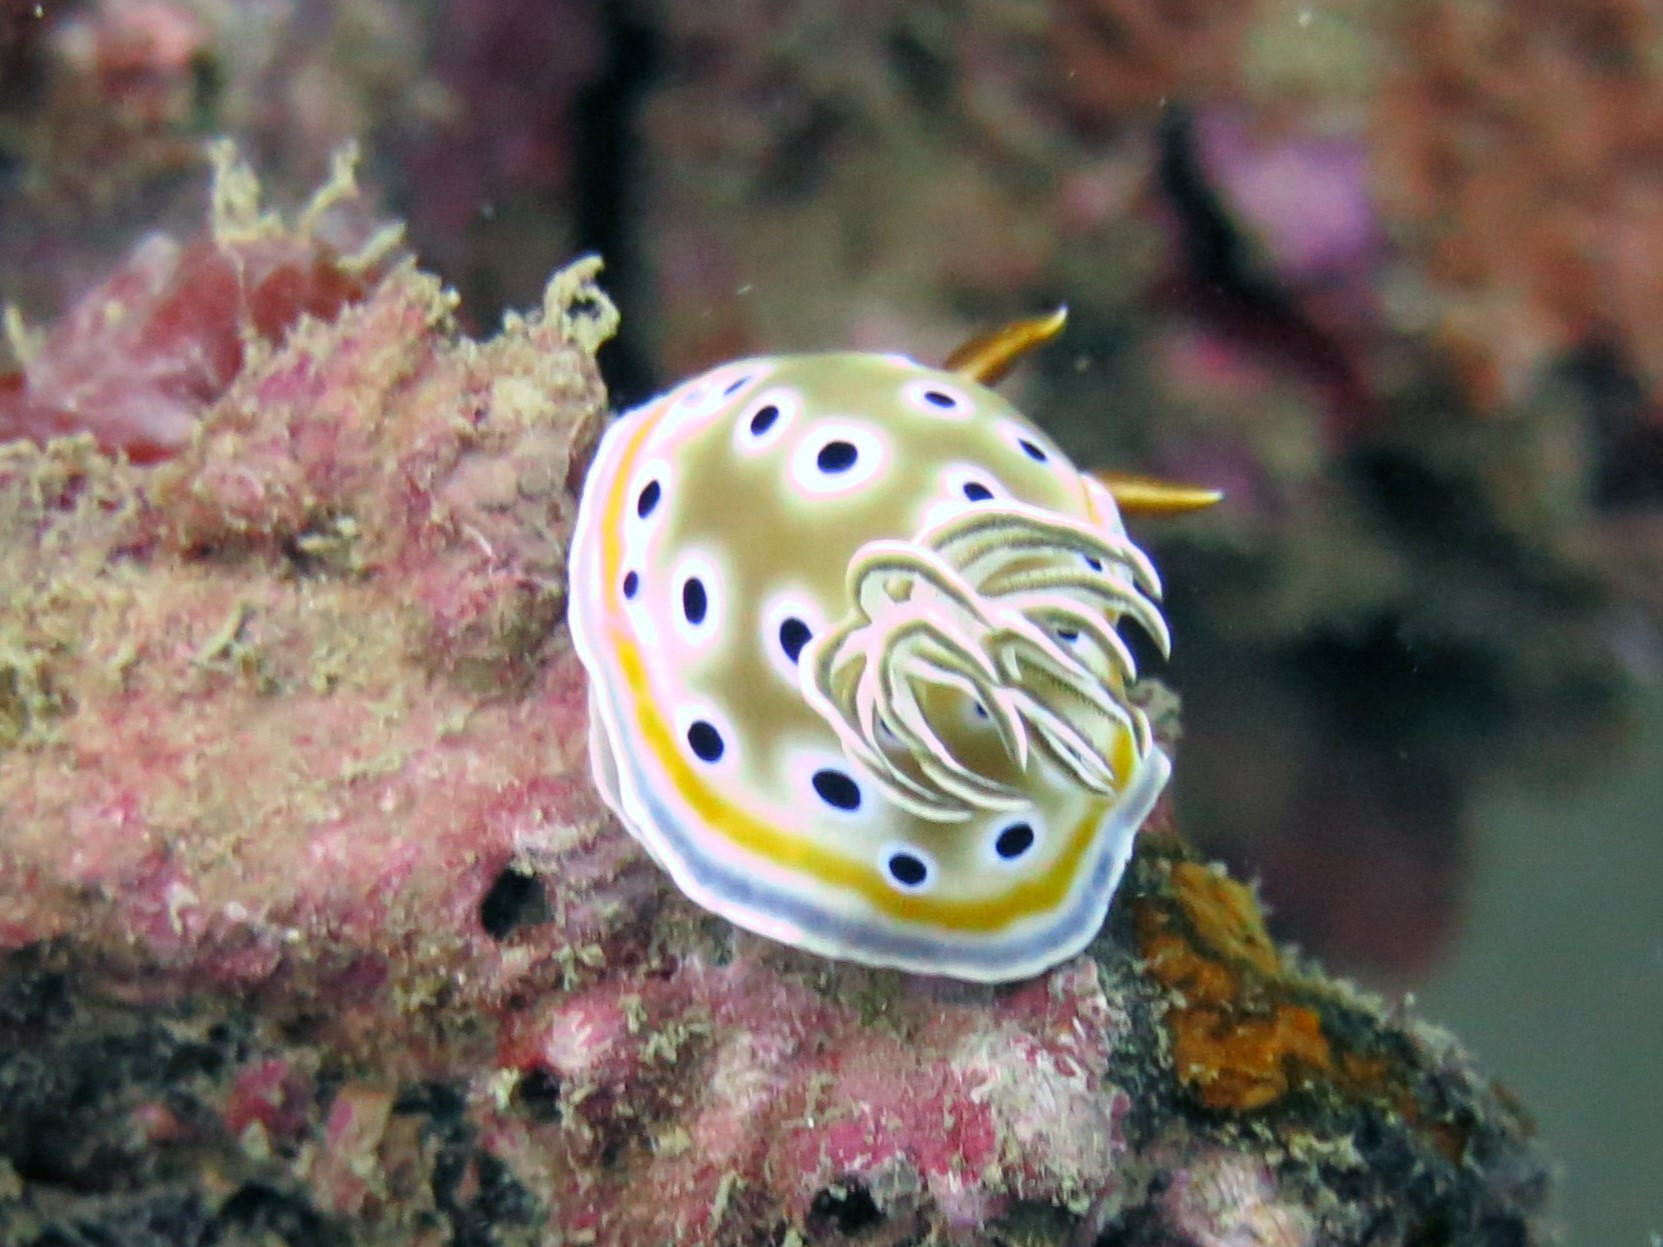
[[856, 681]]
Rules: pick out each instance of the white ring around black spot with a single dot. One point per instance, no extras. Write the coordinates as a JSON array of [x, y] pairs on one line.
[[963, 485], [837, 788], [745, 376], [794, 634], [696, 598], [837, 457], [907, 867], [935, 396], [764, 420], [652, 493], [730, 380], [825, 787], [647, 491], [708, 736], [706, 741], [689, 403], [1030, 443], [1014, 840], [787, 618]]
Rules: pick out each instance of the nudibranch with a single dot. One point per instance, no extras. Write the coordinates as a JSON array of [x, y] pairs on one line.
[[856, 679]]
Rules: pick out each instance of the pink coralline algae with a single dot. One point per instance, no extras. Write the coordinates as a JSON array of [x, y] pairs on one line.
[[316, 930], [159, 340], [930, 1107]]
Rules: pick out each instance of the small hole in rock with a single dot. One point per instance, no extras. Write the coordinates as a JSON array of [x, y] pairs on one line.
[[845, 1207], [514, 900], [255, 1212], [537, 1095]]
